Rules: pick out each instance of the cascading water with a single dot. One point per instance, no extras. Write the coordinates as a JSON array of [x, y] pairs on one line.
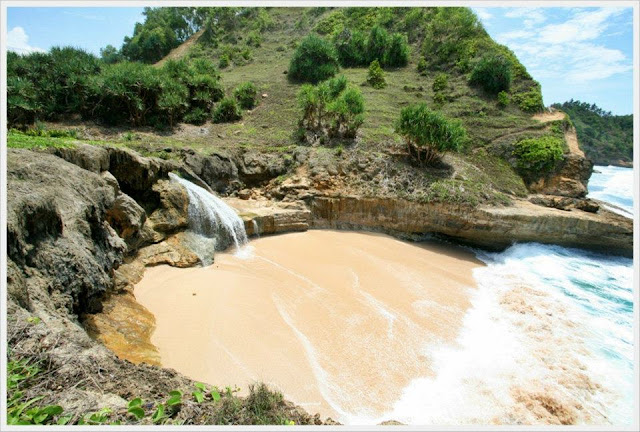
[[213, 225]]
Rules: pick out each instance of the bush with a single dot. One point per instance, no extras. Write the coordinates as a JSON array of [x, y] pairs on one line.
[[492, 73], [254, 39], [375, 77], [196, 116], [332, 109], [538, 155], [428, 133], [422, 67], [377, 44], [530, 101], [314, 60], [503, 99], [441, 82], [351, 48], [246, 95], [397, 54], [439, 98], [226, 111], [224, 61]]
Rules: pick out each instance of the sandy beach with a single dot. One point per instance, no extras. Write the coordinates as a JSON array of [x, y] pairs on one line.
[[339, 322]]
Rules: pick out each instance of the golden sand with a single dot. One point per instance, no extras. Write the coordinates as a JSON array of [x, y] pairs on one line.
[[339, 322]]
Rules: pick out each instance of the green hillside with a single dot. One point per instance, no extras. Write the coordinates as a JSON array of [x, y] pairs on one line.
[[605, 138], [441, 57]]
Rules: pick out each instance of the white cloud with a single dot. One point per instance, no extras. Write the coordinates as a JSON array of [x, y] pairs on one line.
[[483, 13], [583, 26], [507, 37], [18, 41], [568, 51], [533, 15]]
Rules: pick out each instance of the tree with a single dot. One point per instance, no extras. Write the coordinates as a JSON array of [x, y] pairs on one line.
[[375, 77], [314, 60], [428, 133], [492, 73]]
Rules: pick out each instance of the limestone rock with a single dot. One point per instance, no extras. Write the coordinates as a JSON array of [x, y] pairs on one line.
[[57, 231], [127, 218], [89, 157], [172, 212]]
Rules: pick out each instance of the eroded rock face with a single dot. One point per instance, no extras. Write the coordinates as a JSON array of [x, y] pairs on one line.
[[91, 158], [217, 170], [172, 212], [57, 231], [569, 180], [127, 218], [489, 227]]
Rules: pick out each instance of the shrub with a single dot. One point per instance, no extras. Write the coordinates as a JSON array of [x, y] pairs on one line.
[[441, 82], [377, 44], [428, 133], [330, 24], [530, 101], [351, 47], [246, 95], [254, 39], [314, 60], [173, 100], [332, 109], [196, 116], [422, 67], [397, 54], [538, 155], [226, 111], [224, 61], [503, 99], [375, 77], [492, 73], [439, 98]]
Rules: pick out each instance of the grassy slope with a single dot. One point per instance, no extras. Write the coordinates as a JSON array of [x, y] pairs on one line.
[[271, 125]]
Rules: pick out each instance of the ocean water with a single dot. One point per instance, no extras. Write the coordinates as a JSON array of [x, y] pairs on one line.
[[614, 185], [548, 340]]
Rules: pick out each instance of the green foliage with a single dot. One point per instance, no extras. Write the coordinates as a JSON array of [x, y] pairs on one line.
[[330, 24], [441, 82], [492, 73], [422, 67], [536, 156], [429, 133], [377, 45], [47, 85], [529, 101], [224, 61], [351, 47], [604, 137], [332, 109], [375, 77], [246, 94], [227, 111], [439, 98], [397, 53], [503, 99], [254, 39], [453, 35], [314, 60], [110, 54], [135, 407]]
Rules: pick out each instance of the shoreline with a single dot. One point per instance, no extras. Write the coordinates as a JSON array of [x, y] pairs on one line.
[[285, 323]]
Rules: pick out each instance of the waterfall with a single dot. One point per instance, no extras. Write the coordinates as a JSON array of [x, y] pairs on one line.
[[213, 224]]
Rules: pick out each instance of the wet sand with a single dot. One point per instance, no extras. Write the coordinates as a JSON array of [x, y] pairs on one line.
[[340, 322]]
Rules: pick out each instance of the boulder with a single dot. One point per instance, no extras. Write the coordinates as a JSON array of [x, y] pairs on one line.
[[127, 218], [255, 168], [89, 157], [58, 236], [171, 215], [217, 170]]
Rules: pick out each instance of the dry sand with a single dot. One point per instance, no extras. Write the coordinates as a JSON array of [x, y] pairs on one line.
[[340, 322]]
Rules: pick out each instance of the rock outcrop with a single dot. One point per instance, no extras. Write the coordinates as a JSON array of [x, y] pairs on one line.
[[484, 226]]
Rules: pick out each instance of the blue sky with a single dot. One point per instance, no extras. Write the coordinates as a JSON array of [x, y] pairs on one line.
[[579, 53], [91, 28]]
